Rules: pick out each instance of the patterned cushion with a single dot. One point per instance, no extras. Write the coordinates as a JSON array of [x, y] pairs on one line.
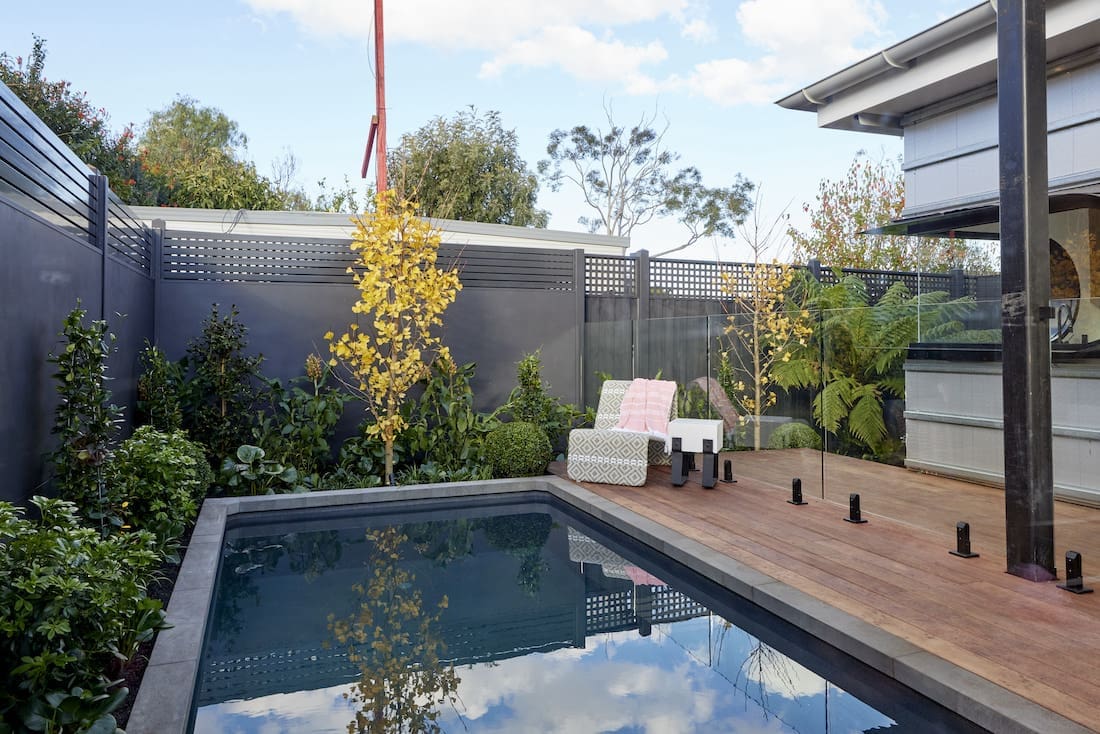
[[608, 457], [613, 457]]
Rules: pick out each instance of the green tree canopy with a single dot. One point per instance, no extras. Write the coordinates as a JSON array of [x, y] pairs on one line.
[[627, 178], [871, 194], [467, 167], [185, 131], [69, 114]]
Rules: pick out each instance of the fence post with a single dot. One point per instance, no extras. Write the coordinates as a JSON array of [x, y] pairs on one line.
[[580, 292], [957, 283], [814, 266], [99, 232], [157, 268], [641, 316]]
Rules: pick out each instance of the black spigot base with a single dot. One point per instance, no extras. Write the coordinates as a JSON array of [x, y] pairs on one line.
[[964, 555], [861, 521], [800, 502], [1076, 589]]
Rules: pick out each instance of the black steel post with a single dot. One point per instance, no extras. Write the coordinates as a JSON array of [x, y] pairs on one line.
[[1025, 288]]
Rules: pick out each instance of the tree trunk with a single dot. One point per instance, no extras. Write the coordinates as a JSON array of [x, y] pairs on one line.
[[388, 478]]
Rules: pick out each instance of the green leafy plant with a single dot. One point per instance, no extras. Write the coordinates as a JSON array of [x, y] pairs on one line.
[[248, 472], [221, 393], [794, 435], [73, 610], [443, 433], [158, 390], [301, 421], [529, 402], [518, 449], [854, 358], [85, 421], [155, 483]]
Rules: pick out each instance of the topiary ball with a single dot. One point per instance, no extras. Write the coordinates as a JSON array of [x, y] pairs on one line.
[[794, 435], [517, 449]]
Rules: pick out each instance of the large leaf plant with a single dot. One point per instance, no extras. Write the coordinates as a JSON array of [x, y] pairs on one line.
[[854, 359]]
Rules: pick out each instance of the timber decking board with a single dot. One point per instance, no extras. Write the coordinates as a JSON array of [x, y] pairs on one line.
[[895, 572]]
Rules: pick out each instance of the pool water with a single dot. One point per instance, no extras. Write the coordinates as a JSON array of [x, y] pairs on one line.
[[522, 617]]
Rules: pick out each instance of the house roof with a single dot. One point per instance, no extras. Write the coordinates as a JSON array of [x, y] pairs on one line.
[[947, 65]]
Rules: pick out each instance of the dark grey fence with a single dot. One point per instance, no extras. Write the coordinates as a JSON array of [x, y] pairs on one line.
[[66, 239]]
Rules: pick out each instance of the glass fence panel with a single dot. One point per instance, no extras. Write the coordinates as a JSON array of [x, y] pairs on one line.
[[1075, 440], [910, 405]]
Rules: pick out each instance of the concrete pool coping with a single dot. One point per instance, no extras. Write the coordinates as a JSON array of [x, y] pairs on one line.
[[163, 703]]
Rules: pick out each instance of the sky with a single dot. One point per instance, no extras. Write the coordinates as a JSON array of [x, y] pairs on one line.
[[298, 76]]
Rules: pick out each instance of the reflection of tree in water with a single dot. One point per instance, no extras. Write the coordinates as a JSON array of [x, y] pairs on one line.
[[766, 665], [522, 537], [308, 554], [443, 541], [396, 645]]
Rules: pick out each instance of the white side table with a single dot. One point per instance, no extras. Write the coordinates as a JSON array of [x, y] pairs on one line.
[[695, 435]]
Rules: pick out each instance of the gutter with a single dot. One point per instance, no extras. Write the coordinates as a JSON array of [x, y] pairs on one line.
[[899, 56]]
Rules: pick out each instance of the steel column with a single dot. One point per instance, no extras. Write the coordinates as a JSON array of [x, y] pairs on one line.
[[1025, 288]]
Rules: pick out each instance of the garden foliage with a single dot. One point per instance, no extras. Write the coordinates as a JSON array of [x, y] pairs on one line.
[[159, 386], [530, 402], [85, 421], [518, 449], [222, 390], [402, 296], [73, 610], [854, 357]]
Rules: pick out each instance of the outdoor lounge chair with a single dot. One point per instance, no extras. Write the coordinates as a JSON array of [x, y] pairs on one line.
[[608, 456]]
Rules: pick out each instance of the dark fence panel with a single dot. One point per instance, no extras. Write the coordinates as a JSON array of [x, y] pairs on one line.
[[46, 272], [39, 172]]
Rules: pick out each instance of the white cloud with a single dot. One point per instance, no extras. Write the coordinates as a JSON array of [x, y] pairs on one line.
[[576, 36], [800, 39], [697, 30], [577, 52]]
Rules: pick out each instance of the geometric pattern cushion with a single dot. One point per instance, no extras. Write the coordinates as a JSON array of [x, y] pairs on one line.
[[609, 456]]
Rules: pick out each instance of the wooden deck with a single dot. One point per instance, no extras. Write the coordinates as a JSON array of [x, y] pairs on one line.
[[895, 572]]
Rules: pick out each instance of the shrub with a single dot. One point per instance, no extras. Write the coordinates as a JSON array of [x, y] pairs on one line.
[[530, 403], [518, 449], [301, 421], [221, 393], [158, 390], [73, 611], [155, 482], [794, 435], [249, 472], [85, 421]]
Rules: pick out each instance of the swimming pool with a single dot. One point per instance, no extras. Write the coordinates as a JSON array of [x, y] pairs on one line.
[[509, 615], [166, 697]]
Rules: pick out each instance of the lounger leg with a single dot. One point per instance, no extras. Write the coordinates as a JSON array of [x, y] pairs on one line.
[[679, 468], [710, 464]]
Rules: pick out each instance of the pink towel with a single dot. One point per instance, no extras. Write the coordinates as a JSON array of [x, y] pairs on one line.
[[646, 406]]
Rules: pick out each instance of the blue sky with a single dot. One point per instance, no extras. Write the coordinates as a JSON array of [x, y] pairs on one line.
[[297, 75]]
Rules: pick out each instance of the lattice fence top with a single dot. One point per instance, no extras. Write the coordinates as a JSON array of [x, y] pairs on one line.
[[261, 258], [610, 275]]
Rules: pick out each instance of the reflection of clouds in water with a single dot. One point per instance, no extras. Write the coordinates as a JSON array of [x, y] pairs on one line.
[[320, 711], [551, 693]]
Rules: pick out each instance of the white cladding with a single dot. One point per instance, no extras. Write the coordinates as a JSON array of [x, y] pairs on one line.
[[951, 158]]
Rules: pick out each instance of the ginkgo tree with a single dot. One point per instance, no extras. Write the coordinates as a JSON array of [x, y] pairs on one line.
[[768, 318], [402, 296]]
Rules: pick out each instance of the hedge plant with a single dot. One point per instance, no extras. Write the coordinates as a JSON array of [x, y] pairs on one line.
[[794, 435], [73, 611], [518, 449]]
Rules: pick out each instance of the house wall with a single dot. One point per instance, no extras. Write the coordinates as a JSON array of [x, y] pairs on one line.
[[951, 158], [954, 424]]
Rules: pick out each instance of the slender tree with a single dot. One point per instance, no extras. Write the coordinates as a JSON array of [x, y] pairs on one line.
[[402, 294], [768, 319]]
